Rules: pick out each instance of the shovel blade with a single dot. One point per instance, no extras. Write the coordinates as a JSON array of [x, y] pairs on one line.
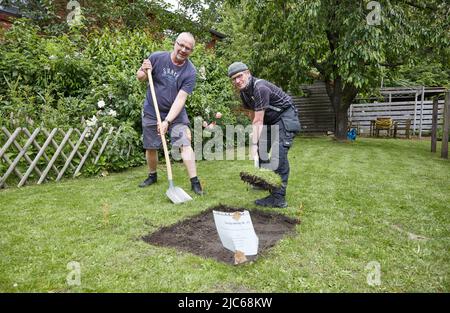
[[177, 195]]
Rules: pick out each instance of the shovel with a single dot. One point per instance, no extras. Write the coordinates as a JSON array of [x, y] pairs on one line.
[[175, 194]]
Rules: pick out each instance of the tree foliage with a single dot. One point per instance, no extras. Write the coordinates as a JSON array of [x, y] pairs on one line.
[[239, 43], [426, 73], [341, 42], [52, 16], [205, 12]]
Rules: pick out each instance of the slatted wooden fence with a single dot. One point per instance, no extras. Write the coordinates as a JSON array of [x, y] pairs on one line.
[[24, 153], [317, 115], [418, 113], [315, 110]]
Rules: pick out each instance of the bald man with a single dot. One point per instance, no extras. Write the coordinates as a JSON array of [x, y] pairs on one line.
[[174, 79]]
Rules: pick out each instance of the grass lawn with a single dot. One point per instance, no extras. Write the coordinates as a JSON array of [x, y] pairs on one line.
[[374, 200]]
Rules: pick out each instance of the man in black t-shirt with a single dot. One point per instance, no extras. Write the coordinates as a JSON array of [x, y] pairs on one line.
[[275, 122]]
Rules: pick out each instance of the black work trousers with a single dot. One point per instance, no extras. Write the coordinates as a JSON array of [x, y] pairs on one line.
[[273, 148]]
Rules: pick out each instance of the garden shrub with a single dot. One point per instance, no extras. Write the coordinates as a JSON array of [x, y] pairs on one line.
[[76, 78]]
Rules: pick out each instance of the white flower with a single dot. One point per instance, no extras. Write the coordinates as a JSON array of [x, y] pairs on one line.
[[112, 113], [92, 122], [52, 57], [101, 104], [202, 72]]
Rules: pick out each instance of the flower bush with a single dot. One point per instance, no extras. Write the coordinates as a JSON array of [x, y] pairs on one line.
[[89, 80]]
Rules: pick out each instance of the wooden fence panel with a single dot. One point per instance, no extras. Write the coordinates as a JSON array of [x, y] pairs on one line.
[[72, 154], [104, 145], [19, 156], [40, 152], [55, 156], [10, 140], [315, 112], [36, 159], [317, 116], [88, 151], [19, 147], [446, 126], [419, 113]]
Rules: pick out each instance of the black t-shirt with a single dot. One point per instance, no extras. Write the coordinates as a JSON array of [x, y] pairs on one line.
[[263, 95]]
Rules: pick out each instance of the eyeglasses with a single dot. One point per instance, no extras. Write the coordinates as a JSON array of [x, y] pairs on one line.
[[188, 49], [235, 78]]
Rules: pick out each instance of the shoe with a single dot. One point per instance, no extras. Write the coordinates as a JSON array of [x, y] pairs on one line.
[[280, 203], [197, 187], [272, 201], [151, 179]]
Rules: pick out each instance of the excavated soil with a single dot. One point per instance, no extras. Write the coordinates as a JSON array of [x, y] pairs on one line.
[[198, 234]]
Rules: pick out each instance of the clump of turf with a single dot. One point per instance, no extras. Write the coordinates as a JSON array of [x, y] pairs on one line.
[[261, 178]]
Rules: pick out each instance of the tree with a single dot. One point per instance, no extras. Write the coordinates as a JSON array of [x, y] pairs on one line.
[[426, 73], [205, 12], [349, 43], [238, 45], [53, 16]]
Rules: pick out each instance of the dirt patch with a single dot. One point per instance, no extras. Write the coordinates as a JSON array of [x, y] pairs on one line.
[[198, 234], [257, 182]]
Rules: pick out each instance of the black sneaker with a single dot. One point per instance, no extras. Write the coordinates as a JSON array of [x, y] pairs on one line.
[[151, 179], [280, 203], [272, 201], [197, 187]]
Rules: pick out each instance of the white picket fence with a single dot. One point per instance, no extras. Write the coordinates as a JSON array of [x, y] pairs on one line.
[[78, 149]]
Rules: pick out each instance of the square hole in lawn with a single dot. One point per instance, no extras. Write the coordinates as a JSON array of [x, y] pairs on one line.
[[198, 234]]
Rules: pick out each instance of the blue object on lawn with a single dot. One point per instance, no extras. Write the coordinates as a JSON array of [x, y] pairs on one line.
[[351, 134]]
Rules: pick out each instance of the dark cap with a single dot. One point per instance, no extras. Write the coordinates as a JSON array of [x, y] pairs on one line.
[[236, 67]]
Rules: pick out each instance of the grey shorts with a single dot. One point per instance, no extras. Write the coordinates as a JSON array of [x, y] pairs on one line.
[[180, 134]]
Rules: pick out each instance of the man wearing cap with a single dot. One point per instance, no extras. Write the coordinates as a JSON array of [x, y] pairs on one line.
[[174, 79], [275, 122]]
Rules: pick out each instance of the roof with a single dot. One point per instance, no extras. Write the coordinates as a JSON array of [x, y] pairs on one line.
[[411, 90], [218, 34], [12, 11]]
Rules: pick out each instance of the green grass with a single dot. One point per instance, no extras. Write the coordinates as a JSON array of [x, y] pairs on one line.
[[357, 202]]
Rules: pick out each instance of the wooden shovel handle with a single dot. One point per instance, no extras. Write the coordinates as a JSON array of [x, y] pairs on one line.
[[158, 117]]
